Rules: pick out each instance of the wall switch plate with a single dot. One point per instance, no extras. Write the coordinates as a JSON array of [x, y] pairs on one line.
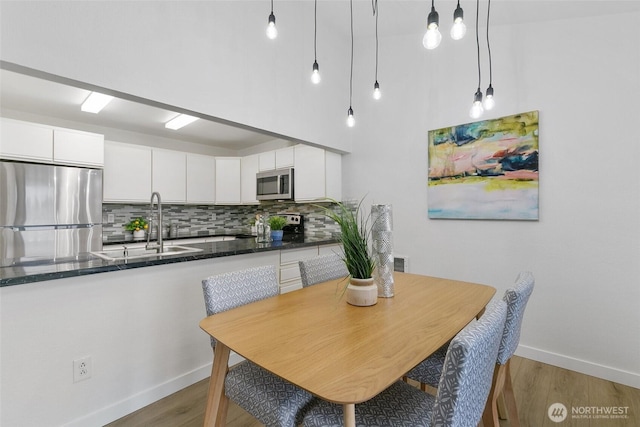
[[111, 218], [82, 369]]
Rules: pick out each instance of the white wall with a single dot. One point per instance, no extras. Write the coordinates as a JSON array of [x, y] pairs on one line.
[[585, 249], [212, 57], [139, 326]]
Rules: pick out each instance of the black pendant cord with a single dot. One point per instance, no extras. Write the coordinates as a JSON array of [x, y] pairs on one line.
[[351, 74], [272, 6], [478, 42], [375, 12], [315, 30], [488, 45]]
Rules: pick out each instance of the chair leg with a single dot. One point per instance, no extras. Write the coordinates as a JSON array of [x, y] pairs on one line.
[[490, 414], [509, 397]]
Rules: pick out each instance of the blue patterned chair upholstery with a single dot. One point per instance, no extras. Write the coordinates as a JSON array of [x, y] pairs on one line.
[[321, 269], [269, 398], [428, 371], [462, 392]]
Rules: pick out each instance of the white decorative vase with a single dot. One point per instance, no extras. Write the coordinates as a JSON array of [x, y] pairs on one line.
[[138, 234], [362, 292]]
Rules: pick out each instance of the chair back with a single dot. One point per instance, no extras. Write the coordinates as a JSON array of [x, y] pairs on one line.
[[225, 291], [322, 268], [468, 370], [516, 299]]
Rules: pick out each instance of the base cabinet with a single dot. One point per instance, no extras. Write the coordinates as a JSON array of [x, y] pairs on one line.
[[290, 279]]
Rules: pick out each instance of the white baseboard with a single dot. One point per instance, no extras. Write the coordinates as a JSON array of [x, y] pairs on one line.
[[146, 397], [589, 368]]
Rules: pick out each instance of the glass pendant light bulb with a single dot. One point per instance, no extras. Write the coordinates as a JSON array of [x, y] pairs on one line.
[[315, 74], [272, 31], [432, 37], [351, 121], [376, 91], [489, 102], [459, 29], [476, 109]]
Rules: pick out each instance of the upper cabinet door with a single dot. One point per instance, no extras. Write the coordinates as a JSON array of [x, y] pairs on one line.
[[26, 141], [201, 174], [78, 148], [267, 161], [169, 172], [127, 173], [228, 180], [284, 158], [248, 179], [318, 174]]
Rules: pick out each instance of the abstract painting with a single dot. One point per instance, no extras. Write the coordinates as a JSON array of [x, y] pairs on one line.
[[485, 170]]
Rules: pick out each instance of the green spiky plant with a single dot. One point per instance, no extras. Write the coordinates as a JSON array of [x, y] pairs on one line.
[[354, 236], [277, 222]]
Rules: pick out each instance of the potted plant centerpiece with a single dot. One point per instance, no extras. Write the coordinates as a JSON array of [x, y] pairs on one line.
[[354, 236], [277, 223], [139, 226]]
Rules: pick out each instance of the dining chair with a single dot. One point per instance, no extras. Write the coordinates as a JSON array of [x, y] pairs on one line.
[[322, 268], [428, 371], [463, 388], [269, 398]]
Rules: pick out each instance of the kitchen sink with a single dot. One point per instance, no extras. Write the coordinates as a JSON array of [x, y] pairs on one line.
[[120, 254]]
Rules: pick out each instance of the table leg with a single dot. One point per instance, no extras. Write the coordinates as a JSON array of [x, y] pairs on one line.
[[349, 414], [217, 402]]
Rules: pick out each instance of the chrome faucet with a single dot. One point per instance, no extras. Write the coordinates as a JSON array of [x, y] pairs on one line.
[[160, 246]]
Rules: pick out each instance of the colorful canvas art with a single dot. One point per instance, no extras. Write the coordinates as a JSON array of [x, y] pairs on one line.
[[485, 170]]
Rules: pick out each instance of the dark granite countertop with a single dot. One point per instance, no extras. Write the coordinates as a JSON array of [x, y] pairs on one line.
[[90, 264]]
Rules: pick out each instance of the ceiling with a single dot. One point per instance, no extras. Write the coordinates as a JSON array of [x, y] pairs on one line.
[[45, 97], [36, 96]]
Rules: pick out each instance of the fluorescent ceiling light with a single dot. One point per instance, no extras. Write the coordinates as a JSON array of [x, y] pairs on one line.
[[179, 121], [95, 102]]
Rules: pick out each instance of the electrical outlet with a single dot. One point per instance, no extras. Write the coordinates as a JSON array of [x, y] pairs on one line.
[[82, 369], [111, 218], [213, 216]]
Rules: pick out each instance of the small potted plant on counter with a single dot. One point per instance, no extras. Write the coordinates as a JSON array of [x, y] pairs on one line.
[[139, 226], [277, 223]]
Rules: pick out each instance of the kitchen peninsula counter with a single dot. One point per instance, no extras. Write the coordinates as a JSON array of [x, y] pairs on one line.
[[87, 264]]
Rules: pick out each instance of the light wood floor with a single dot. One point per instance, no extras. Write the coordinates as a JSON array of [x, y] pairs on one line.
[[536, 386]]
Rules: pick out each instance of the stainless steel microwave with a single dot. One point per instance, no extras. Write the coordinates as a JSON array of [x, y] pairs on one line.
[[275, 184]]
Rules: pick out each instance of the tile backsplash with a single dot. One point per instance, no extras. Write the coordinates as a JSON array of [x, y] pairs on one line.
[[203, 220]]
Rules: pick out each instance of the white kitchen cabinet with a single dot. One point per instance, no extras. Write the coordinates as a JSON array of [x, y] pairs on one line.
[[25, 141], [318, 174], [267, 161], [127, 173], [290, 270], [284, 158], [228, 190], [248, 179], [48, 144], [75, 147], [201, 171], [169, 175]]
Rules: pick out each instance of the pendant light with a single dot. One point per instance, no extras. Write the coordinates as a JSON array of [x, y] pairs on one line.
[[432, 37], [489, 102], [458, 30], [376, 86], [351, 121], [272, 31], [315, 71], [476, 107]]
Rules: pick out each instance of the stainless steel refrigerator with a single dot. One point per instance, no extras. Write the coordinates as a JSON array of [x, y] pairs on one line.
[[48, 213]]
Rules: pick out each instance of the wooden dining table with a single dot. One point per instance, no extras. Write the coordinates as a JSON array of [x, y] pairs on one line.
[[338, 352]]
